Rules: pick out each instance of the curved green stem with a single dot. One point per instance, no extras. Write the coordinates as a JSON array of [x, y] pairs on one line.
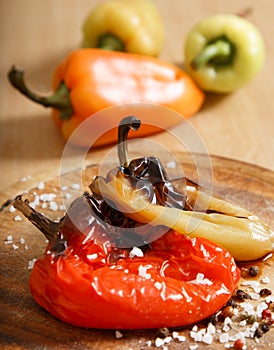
[[217, 53], [59, 100], [110, 42], [125, 125]]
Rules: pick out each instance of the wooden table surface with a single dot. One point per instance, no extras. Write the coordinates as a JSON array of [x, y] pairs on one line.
[[37, 35]]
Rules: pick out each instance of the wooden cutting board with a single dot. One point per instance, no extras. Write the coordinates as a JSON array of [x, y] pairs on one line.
[[24, 325]]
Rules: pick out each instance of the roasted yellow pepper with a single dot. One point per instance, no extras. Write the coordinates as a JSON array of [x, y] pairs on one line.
[[245, 237], [125, 25]]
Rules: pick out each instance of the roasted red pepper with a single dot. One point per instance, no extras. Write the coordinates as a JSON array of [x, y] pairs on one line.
[[87, 283], [83, 288], [101, 269], [90, 80]]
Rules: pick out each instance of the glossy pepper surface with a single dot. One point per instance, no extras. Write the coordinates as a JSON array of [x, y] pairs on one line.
[[161, 288], [90, 80], [224, 52], [132, 26], [85, 281], [103, 270]]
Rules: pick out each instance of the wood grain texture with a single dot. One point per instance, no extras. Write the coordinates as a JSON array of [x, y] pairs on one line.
[[24, 325]]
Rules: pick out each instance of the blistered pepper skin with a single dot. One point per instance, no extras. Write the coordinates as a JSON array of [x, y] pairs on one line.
[[245, 53], [82, 289]]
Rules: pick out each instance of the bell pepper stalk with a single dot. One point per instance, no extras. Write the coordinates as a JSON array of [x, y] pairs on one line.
[[86, 279], [224, 52], [90, 80], [133, 26]]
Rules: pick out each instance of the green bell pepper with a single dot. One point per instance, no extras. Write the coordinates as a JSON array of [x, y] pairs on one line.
[[224, 52]]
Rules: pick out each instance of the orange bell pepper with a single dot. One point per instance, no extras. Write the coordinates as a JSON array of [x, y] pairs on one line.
[[90, 80]]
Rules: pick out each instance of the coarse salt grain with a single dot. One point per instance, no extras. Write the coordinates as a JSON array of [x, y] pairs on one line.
[[92, 256], [136, 252], [181, 338], [193, 347], [195, 328], [211, 329], [224, 338], [208, 338], [158, 285], [41, 186], [12, 209], [195, 335], [168, 339], [247, 307], [35, 202], [53, 206], [118, 334], [15, 247], [159, 342], [253, 328], [265, 280], [177, 336], [62, 207], [8, 239], [25, 178], [269, 299], [260, 308], [254, 296], [143, 271], [200, 279], [171, 165], [31, 263], [255, 285], [17, 218], [22, 240], [75, 186], [68, 195], [47, 197]]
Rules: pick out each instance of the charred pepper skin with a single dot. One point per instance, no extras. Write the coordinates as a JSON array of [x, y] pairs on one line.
[[224, 52], [133, 26]]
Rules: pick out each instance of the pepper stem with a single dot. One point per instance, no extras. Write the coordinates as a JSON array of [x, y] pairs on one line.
[[49, 228], [110, 42], [59, 100], [125, 125], [217, 53]]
